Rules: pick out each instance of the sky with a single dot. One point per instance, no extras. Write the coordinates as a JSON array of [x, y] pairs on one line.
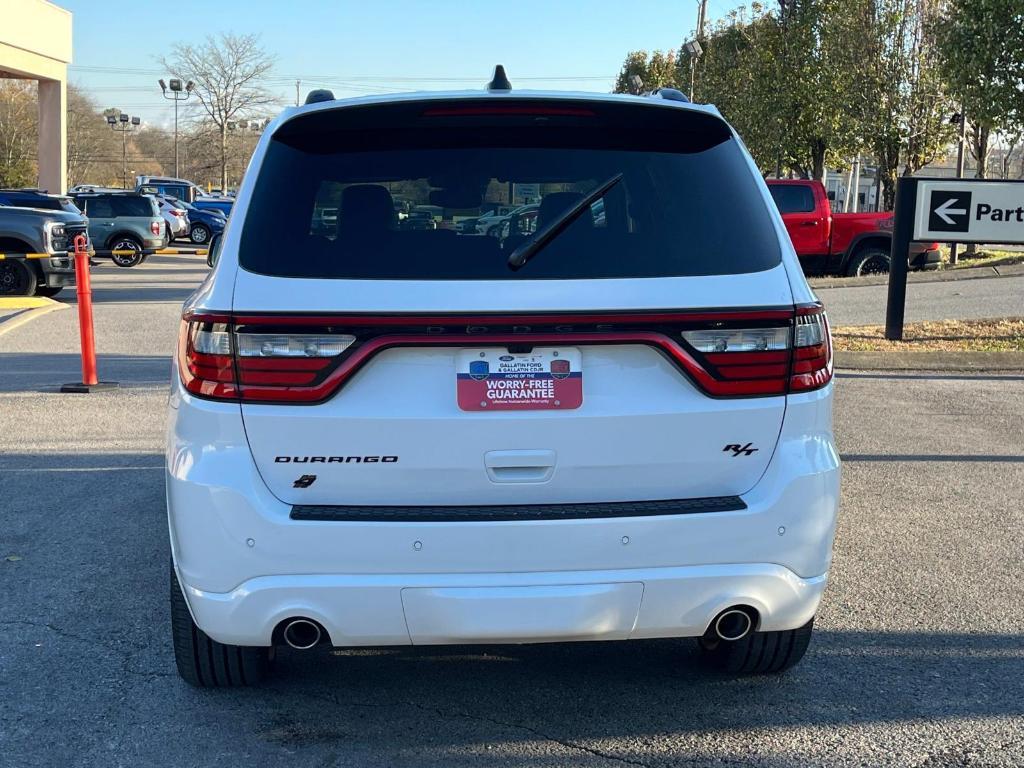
[[373, 46]]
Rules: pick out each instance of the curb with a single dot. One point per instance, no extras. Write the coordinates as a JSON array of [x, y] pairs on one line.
[[24, 302], [940, 276], [29, 313], [1012, 362]]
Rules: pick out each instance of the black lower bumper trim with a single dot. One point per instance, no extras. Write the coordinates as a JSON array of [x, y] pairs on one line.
[[489, 514]]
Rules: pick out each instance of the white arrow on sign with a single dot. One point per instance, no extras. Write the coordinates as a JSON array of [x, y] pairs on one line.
[[944, 211]]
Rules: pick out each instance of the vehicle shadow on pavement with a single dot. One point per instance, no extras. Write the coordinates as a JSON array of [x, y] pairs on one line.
[[600, 690], [140, 293]]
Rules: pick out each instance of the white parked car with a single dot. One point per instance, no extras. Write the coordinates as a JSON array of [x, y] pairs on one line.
[[489, 222], [176, 217], [616, 426]]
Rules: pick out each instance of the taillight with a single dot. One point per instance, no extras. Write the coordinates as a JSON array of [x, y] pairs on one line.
[[307, 359], [176, 212], [812, 350], [217, 361], [766, 360], [205, 361], [743, 361], [154, 227]]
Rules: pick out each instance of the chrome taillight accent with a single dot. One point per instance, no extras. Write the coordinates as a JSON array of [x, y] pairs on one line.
[[739, 339], [266, 345]]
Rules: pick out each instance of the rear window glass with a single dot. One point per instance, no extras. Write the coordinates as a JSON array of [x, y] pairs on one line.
[[792, 198], [406, 195]]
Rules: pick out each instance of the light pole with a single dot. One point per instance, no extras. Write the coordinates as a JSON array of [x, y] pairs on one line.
[[177, 94], [123, 125], [694, 51], [254, 126]]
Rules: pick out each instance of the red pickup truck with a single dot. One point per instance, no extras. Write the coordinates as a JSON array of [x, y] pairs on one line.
[[839, 243]]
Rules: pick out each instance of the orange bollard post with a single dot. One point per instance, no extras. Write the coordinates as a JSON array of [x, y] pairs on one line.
[[83, 288]]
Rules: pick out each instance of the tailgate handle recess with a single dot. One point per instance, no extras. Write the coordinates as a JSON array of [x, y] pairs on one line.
[[520, 466]]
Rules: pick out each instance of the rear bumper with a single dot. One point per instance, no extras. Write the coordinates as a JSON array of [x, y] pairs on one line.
[[925, 256], [431, 609], [246, 564]]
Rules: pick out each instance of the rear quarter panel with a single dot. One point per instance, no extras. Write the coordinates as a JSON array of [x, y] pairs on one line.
[[849, 227]]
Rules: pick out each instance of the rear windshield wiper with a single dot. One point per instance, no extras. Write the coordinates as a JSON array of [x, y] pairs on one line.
[[550, 231]]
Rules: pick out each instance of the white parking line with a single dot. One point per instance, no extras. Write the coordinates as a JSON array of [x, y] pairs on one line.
[[79, 469]]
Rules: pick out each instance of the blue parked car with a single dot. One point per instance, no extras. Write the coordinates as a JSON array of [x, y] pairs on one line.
[[222, 204], [203, 223]]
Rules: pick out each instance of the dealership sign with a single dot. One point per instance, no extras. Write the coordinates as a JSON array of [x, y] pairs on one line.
[[969, 211]]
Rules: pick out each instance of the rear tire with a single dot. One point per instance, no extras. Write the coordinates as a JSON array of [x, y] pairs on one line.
[[870, 261], [758, 653], [17, 278], [200, 234], [204, 662], [126, 244]]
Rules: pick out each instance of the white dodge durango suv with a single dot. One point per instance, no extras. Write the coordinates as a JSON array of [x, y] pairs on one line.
[[617, 426]]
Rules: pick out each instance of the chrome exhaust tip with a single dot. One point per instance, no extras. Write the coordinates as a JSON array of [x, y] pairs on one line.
[[732, 624], [301, 634]]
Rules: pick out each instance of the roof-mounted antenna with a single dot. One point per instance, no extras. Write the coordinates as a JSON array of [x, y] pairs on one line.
[[500, 80], [320, 94]]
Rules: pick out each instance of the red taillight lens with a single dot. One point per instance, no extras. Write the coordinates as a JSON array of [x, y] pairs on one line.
[[205, 361], [743, 361], [219, 362], [812, 350], [307, 359], [771, 360], [154, 227]]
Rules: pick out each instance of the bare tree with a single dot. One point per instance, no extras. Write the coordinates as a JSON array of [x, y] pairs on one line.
[[228, 73], [94, 151], [18, 121]]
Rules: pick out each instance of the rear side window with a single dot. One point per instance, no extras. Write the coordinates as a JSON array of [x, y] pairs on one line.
[[133, 206], [98, 207], [792, 198], [392, 192]]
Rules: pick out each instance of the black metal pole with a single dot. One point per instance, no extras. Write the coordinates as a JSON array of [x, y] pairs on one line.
[[124, 158], [962, 138], [902, 234]]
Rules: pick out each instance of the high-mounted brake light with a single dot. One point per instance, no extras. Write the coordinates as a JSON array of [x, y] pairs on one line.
[[527, 111]]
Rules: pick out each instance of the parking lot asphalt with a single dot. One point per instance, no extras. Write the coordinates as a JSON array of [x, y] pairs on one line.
[[956, 299], [917, 659]]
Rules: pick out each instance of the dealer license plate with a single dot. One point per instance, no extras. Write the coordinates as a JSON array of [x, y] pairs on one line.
[[494, 379]]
